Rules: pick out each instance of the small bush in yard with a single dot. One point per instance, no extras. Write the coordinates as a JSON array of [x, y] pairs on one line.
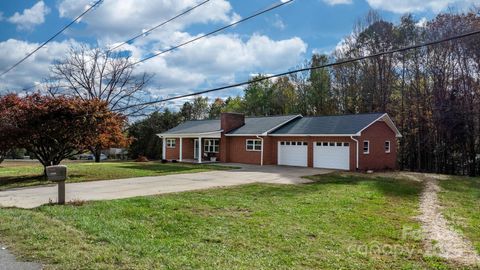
[[142, 159]]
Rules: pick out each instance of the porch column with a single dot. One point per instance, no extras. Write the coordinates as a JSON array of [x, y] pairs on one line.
[[199, 149], [181, 150], [164, 148]]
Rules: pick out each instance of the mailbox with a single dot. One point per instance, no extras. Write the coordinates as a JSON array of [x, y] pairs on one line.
[[57, 173]]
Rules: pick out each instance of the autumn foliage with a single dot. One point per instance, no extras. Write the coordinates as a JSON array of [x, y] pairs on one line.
[[55, 128]]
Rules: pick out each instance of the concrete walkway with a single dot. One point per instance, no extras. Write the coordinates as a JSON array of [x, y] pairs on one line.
[[8, 262], [143, 186]]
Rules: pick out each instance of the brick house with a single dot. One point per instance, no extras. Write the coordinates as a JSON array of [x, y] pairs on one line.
[[345, 142]]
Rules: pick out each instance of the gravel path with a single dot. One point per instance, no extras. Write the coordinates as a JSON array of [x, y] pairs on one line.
[[441, 239], [9, 262]]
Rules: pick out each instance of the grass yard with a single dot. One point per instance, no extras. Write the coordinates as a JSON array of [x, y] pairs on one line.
[[339, 222], [460, 197], [31, 174]]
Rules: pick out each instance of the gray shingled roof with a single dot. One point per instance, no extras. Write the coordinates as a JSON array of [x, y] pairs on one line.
[[341, 124], [259, 125], [199, 126]]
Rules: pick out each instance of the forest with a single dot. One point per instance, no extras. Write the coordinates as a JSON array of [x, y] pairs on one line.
[[432, 93]]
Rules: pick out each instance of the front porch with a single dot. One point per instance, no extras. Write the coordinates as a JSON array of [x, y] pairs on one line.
[[189, 149]]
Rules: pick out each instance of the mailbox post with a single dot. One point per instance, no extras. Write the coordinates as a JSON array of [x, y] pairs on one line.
[[58, 174]]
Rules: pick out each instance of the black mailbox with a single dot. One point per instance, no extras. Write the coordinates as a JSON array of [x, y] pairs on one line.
[[57, 173]]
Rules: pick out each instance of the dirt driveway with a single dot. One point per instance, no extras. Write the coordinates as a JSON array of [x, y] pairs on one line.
[[133, 187]]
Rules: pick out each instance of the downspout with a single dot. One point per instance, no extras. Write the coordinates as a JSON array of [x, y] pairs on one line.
[[261, 151], [356, 142]]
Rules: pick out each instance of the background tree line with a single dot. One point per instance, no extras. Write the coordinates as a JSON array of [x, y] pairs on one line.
[[432, 93]]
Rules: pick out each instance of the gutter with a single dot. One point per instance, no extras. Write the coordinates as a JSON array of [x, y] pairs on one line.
[[356, 142], [261, 151]]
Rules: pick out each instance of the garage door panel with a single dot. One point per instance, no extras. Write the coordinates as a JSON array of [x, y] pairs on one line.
[[292, 153], [331, 155]]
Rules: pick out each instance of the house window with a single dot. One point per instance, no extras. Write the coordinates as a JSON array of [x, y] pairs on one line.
[[366, 147], [171, 143], [387, 146], [211, 145], [254, 145], [346, 144]]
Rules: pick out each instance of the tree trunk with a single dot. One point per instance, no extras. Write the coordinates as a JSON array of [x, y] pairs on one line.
[[45, 178], [97, 153]]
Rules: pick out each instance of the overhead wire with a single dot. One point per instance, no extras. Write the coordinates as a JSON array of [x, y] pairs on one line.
[[337, 63]]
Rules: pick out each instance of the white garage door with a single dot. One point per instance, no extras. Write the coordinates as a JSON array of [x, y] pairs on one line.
[[292, 153], [331, 155]]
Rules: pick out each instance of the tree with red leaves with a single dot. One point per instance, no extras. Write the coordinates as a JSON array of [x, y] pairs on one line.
[[7, 141], [56, 128]]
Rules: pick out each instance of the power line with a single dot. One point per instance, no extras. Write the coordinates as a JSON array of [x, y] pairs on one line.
[[426, 44], [53, 37], [197, 38], [214, 32], [135, 37], [159, 25]]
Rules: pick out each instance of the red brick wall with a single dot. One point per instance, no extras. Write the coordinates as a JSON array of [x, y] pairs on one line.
[[236, 151], [224, 148], [377, 159], [173, 153], [311, 141], [230, 121], [187, 148]]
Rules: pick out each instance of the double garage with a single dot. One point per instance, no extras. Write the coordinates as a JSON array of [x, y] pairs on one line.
[[326, 154]]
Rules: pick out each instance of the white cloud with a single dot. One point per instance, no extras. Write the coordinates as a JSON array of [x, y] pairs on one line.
[[338, 2], [217, 60], [404, 6], [35, 68], [1, 16], [213, 61], [115, 20], [210, 62], [30, 17]]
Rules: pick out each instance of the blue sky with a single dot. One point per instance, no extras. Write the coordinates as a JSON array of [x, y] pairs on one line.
[[271, 43]]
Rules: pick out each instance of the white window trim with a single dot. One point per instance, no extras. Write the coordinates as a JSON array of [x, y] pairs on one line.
[[170, 144], [208, 144], [368, 147], [254, 143], [389, 146]]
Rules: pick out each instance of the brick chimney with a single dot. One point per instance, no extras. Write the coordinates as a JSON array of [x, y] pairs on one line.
[[231, 121]]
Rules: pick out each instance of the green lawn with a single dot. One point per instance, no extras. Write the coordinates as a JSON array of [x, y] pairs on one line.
[[339, 222], [21, 176], [460, 197]]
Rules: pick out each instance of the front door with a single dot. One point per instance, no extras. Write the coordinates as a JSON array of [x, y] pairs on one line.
[[195, 149]]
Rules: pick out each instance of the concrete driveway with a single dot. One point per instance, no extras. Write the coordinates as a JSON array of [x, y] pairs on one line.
[[143, 186], [9, 262]]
